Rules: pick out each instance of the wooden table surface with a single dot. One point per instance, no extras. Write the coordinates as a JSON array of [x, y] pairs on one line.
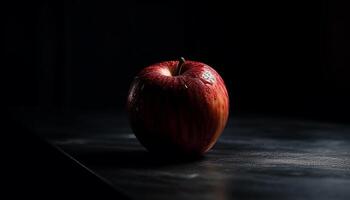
[[256, 157]]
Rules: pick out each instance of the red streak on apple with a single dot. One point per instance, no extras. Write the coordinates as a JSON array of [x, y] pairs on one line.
[[178, 107]]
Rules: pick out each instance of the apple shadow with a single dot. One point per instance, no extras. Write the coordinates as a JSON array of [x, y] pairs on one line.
[[137, 159]]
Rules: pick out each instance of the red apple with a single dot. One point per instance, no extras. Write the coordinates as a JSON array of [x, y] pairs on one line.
[[178, 107]]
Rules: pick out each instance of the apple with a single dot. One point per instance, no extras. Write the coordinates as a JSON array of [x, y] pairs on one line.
[[178, 107]]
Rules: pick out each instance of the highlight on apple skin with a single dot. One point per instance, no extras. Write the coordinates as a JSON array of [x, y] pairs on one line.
[[178, 107]]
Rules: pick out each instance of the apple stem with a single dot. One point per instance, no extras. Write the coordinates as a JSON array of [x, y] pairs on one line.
[[180, 65]]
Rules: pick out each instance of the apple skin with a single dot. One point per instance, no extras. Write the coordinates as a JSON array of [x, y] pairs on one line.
[[178, 109]]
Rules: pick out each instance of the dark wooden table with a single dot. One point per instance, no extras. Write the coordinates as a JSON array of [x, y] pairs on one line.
[[256, 158]]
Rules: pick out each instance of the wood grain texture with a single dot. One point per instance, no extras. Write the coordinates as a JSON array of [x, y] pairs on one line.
[[256, 158]]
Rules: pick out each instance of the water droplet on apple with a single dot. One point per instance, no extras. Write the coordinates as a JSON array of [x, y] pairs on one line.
[[208, 77]]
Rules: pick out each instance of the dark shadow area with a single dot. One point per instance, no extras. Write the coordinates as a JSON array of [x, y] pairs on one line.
[[38, 170]]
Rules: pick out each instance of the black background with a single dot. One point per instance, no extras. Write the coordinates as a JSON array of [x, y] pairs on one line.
[[277, 57], [288, 58]]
